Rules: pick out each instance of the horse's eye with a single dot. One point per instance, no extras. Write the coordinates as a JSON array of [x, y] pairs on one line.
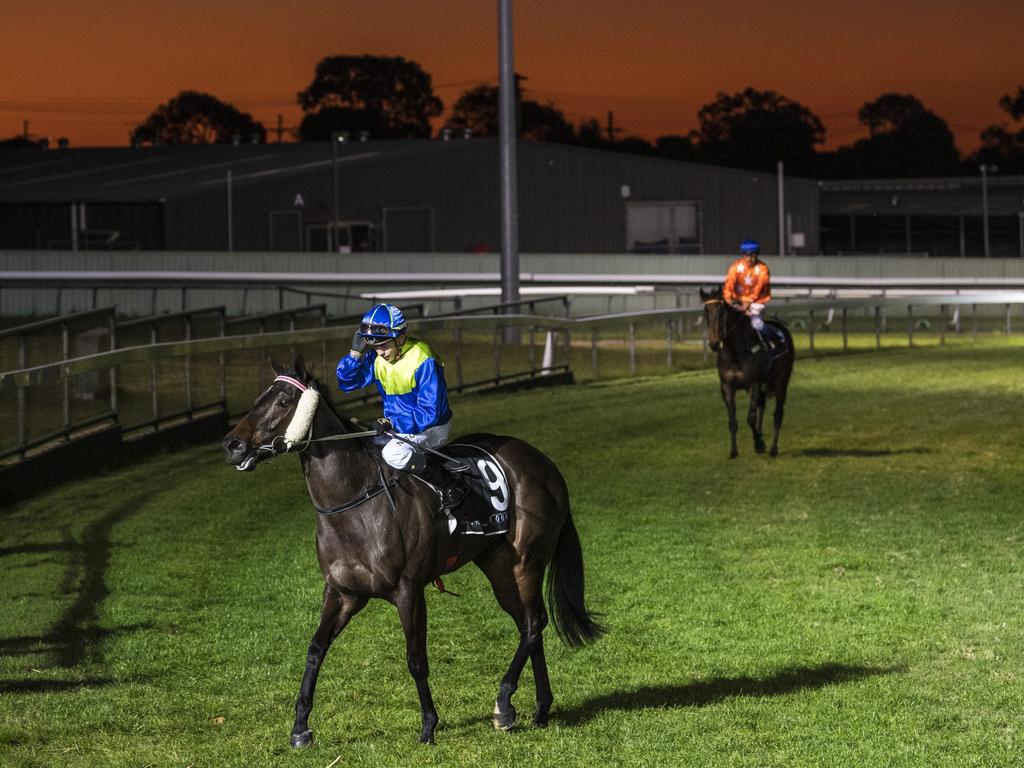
[[284, 401]]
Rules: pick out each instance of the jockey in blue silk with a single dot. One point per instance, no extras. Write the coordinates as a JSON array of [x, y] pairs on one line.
[[410, 379]]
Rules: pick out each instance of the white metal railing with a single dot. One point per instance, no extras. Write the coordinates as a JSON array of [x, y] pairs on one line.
[[951, 310]]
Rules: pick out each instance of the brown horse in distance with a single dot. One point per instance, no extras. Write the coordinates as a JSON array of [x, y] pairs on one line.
[[745, 363]]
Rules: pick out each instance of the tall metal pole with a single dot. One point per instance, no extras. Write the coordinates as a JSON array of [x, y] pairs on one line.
[[332, 232], [508, 137], [984, 209], [231, 218], [782, 210]]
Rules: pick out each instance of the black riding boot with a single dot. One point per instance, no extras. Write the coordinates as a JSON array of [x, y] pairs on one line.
[[450, 487], [765, 340]]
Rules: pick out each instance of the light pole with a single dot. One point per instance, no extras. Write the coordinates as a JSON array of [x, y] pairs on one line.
[[984, 205], [332, 234], [507, 140]]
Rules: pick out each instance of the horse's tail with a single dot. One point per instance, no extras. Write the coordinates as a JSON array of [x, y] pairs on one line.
[[573, 622]]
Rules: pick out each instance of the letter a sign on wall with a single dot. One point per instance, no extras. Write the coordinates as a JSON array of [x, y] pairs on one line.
[[299, 202]]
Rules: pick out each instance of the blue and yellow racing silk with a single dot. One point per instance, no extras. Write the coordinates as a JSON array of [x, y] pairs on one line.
[[414, 391]]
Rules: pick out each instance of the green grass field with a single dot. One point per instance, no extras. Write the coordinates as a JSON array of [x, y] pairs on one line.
[[855, 602]]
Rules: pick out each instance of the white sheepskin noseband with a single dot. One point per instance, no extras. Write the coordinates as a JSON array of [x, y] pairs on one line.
[[302, 422]]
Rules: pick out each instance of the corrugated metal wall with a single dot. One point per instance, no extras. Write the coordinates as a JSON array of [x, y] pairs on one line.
[[570, 195], [570, 200]]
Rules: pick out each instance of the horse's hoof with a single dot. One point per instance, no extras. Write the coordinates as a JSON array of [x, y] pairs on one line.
[[504, 721], [759, 447], [734, 454], [773, 452], [303, 739], [426, 738], [540, 721]]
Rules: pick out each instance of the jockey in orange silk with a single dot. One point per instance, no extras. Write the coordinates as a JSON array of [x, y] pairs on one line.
[[748, 284]]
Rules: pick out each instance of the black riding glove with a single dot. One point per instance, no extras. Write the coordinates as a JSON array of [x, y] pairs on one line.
[[359, 345], [382, 426]]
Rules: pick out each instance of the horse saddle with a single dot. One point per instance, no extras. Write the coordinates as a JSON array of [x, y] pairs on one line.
[[774, 341], [486, 509]]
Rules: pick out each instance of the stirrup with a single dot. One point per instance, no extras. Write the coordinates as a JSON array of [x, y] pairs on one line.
[[452, 495]]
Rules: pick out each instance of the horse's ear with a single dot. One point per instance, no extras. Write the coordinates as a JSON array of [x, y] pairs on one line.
[[278, 369], [300, 368], [703, 294]]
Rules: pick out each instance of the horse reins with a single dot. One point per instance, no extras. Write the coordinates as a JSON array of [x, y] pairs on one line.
[[384, 486], [281, 445], [728, 330]]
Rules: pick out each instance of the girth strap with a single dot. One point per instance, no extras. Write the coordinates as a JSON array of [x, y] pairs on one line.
[[384, 486]]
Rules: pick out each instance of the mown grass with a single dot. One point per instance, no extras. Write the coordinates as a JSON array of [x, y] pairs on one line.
[[856, 601]]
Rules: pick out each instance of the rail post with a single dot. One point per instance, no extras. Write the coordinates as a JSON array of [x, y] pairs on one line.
[[632, 349]]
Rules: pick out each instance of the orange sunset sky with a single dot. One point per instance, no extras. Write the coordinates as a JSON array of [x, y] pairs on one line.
[[91, 70]]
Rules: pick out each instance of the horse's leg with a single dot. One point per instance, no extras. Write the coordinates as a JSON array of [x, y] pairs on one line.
[[335, 613], [518, 590], [755, 416], [780, 408], [729, 396], [412, 610], [541, 682]]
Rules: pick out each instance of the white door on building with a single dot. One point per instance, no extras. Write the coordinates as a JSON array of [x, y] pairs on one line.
[[663, 226]]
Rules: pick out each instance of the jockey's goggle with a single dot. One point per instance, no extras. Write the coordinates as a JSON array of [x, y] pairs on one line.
[[378, 332]]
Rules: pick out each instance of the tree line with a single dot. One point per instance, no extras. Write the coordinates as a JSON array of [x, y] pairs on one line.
[[391, 98]]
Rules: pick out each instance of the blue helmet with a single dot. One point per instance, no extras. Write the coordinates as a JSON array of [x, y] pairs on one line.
[[383, 322], [750, 246]]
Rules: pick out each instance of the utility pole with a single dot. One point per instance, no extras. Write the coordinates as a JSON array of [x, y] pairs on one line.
[[508, 139], [280, 128], [782, 208], [612, 130], [985, 169], [519, 104]]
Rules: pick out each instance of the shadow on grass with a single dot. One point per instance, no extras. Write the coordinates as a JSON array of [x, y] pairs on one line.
[[704, 693], [51, 686], [76, 637], [857, 453]]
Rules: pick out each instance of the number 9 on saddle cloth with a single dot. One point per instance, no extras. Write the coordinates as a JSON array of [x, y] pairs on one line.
[[485, 509]]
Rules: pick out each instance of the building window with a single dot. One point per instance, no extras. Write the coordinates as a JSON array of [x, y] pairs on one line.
[[663, 226]]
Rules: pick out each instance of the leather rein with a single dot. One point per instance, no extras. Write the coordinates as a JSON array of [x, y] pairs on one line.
[[728, 330], [281, 445]]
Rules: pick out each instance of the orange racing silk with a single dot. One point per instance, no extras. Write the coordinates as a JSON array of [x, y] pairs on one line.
[[747, 284]]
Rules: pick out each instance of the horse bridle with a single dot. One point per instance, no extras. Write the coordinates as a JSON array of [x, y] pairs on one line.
[[724, 334], [308, 400]]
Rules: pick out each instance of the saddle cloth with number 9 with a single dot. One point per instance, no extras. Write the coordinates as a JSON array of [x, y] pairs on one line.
[[487, 507]]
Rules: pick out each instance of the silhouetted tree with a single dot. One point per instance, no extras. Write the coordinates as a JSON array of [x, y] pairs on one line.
[[477, 110], [197, 118], [392, 95], [320, 126], [1003, 145], [676, 147], [905, 139], [18, 142], [634, 145], [754, 129], [591, 134], [1014, 105], [890, 112]]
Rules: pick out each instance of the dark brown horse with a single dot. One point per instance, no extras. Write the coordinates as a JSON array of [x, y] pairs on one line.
[[746, 363], [380, 534]]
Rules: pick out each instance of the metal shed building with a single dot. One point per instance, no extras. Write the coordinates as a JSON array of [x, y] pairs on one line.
[[395, 196], [954, 216]]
